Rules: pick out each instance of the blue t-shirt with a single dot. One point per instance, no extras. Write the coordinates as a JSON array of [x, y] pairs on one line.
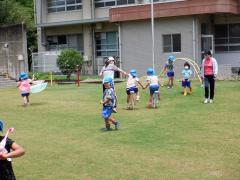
[[109, 94], [186, 73]]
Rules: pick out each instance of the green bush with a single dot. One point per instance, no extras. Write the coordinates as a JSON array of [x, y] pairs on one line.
[[69, 61]]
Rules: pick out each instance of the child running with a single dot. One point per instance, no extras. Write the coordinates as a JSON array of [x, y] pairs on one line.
[[186, 81], [108, 104], [24, 88], [132, 82], [169, 69], [13, 150], [153, 83]]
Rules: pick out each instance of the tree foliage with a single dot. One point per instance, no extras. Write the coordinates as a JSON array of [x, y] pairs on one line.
[[69, 60], [20, 11]]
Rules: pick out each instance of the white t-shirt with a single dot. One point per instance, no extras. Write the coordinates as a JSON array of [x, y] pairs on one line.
[[109, 71], [153, 80], [132, 81]]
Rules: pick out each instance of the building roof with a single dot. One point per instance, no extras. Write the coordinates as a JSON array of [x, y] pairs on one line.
[[171, 9]]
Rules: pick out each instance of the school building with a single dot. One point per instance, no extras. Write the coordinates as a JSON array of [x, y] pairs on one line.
[[122, 28]]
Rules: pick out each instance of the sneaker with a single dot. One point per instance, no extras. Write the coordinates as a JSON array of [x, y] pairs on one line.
[[211, 101], [114, 110], [168, 87], [205, 101], [137, 98], [117, 125]]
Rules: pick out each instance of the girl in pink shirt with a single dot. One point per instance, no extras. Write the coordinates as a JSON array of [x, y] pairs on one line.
[[24, 87]]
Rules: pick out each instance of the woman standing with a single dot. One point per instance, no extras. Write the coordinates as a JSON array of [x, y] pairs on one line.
[[209, 73]]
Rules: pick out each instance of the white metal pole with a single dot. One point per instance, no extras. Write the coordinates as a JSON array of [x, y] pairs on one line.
[[153, 35]]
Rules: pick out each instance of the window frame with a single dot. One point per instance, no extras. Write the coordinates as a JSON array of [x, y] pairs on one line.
[[227, 44], [106, 44], [171, 43], [65, 6]]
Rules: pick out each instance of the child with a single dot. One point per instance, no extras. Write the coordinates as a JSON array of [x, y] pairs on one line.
[[132, 85], [186, 73], [13, 151], [153, 83], [24, 87], [169, 68], [108, 104]]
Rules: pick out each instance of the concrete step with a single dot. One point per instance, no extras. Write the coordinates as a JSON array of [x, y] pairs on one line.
[[4, 82]]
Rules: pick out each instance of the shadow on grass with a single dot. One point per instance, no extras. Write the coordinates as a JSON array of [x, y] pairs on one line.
[[105, 130]]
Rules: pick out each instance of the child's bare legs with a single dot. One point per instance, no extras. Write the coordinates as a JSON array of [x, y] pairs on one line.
[[107, 124], [113, 121], [150, 100], [137, 96], [171, 81], [28, 100], [25, 101]]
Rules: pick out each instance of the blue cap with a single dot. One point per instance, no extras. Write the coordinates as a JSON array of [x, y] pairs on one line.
[[133, 72], [107, 80], [150, 72], [171, 58], [23, 75], [1, 125]]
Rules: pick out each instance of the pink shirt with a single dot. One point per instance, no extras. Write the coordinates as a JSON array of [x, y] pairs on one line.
[[24, 86], [208, 67]]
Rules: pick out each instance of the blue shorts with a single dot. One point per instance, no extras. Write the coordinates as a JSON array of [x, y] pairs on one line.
[[106, 112], [186, 83], [170, 74], [134, 89], [153, 89], [25, 94]]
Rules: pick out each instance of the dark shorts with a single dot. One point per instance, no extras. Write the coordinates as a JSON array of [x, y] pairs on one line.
[[131, 89], [106, 112], [25, 94], [170, 74], [186, 83], [153, 89]]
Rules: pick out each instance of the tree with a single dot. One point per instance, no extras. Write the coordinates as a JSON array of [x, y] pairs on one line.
[[18, 11], [69, 60]]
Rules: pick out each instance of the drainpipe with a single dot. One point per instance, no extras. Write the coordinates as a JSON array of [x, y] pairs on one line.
[[194, 38], [93, 10], [120, 45]]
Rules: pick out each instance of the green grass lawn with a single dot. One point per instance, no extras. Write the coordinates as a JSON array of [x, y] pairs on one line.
[[182, 139]]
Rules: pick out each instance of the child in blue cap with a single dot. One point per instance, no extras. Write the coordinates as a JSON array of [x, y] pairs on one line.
[[108, 104], [12, 150], [24, 85], [132, 82], [153, 83], [169, 69]]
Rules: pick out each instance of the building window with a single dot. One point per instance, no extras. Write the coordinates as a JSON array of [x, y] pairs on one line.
[[105, 3], [172, 43], [106, 44], [227, 37], [56, 43], [63, 5]]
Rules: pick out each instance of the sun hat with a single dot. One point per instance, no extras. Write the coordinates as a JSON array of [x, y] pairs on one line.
[[107, 80], [23, 75], [133, 72]]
